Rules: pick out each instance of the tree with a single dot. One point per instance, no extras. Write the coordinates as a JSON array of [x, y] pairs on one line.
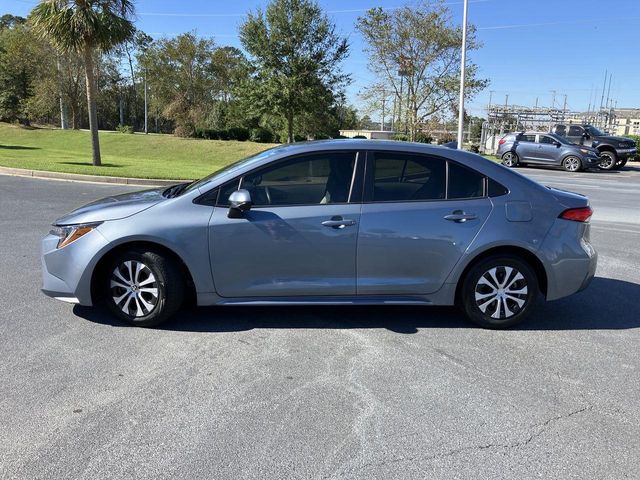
[[414, 51], [85, 27], [296, 56], [24, 61], [181, 76]]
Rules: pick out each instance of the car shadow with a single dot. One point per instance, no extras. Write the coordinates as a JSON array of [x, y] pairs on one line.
[[607, 304]]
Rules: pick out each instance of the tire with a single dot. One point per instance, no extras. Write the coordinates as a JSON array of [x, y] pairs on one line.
[[510, 159], [621, 163], [572, 164], [609, 160], [479, 288], [155, 294]]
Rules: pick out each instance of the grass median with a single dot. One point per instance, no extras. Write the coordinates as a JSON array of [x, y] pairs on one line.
[[123, 155]]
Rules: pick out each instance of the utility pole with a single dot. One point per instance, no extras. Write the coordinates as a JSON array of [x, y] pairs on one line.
[[463, 62], [604, 86], [564, 107], [384, 101], [553, 99]]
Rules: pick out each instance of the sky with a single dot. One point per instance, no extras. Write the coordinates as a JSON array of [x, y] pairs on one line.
[[530, 47]]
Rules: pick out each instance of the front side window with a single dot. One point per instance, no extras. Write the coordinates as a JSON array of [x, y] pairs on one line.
[[547, 139], [406, 177], [320, 178], [575, 131]]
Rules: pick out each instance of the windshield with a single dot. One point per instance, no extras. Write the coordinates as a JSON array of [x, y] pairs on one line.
[[594, 132], [231, 168]]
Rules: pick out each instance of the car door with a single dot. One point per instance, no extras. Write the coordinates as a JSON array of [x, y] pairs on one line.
[[299, 237], [526, 148], [576, 134], [548, 150], [415, 225]]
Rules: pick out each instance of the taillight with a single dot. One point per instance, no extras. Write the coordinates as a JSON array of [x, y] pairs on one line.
[[582, 214], [502, 140]]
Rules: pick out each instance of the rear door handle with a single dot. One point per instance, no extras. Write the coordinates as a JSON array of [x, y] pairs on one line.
[[339, 222], [460, 217]]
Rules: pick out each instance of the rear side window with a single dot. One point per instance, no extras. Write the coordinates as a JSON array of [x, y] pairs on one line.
[[464, 182], [405, 177], [495, 189], [527, 138]]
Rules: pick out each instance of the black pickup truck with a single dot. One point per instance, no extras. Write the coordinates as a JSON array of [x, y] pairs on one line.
[[614, 151]]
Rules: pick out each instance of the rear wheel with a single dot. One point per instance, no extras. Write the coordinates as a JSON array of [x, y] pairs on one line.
[[571, 164], [143, 288], [499, 291], [609, 160], [510, 159]]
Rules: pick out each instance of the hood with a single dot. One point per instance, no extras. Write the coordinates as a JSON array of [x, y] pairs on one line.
[[614, 138], [113, 208]]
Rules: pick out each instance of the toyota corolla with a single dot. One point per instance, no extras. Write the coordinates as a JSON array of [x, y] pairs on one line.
[[329, 222]]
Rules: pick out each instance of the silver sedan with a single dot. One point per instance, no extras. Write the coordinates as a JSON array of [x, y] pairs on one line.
[[329, 222]]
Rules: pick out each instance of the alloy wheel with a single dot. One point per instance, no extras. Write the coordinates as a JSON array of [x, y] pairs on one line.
[[134, 288], [501, 292], [572, 164], [608, 161], [508, 159]]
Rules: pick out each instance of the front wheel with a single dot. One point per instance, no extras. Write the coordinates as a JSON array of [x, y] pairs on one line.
[[571, 164], [143, 288], [499, 291], [621, 163], [510, 159], [609, 160]]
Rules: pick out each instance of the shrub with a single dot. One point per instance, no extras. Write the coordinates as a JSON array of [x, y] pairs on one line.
[[475, 148], [423, 137], [340, 136], [359, 136], [124, 129], [237, 133], [261, 135], [401, 137], [299, 138]]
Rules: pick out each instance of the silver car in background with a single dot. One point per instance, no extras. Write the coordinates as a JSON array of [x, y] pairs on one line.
[[546, 149], [329, 222]]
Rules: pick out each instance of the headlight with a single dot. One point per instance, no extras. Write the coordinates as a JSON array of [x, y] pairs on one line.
[[70, 233]]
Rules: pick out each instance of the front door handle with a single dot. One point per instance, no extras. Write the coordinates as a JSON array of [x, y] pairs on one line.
[[459, 216], [338, 222]]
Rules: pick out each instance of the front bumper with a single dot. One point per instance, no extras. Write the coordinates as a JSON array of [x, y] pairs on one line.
[[66, 272], [627, 153]]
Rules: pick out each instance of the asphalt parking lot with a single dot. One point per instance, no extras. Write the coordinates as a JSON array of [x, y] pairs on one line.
[[336, 392]]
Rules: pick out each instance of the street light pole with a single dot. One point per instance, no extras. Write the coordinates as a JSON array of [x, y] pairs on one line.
[[146, 110], [463, 62]]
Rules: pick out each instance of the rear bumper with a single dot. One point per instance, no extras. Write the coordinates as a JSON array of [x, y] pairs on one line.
[[570, 259]]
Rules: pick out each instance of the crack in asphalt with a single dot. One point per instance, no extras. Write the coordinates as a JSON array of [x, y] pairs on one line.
[[540, 429]]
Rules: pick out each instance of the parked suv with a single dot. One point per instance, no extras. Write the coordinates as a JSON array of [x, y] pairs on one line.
[[615, 151], [539, 148]]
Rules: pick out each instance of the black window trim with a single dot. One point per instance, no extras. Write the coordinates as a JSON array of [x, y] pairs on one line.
[[356, 178], [369, 180]]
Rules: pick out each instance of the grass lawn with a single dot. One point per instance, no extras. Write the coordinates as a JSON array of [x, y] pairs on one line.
[[123, 155]]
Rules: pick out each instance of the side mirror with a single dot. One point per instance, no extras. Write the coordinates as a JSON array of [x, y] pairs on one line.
[[557, 144], [239, 202]]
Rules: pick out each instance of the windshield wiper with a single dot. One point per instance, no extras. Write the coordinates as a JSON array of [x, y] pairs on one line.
[[175, 190]]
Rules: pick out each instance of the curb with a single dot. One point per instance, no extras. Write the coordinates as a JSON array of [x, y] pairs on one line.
[[77, 177]]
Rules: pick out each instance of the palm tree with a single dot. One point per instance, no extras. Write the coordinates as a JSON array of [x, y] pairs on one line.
[[84, 27]]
